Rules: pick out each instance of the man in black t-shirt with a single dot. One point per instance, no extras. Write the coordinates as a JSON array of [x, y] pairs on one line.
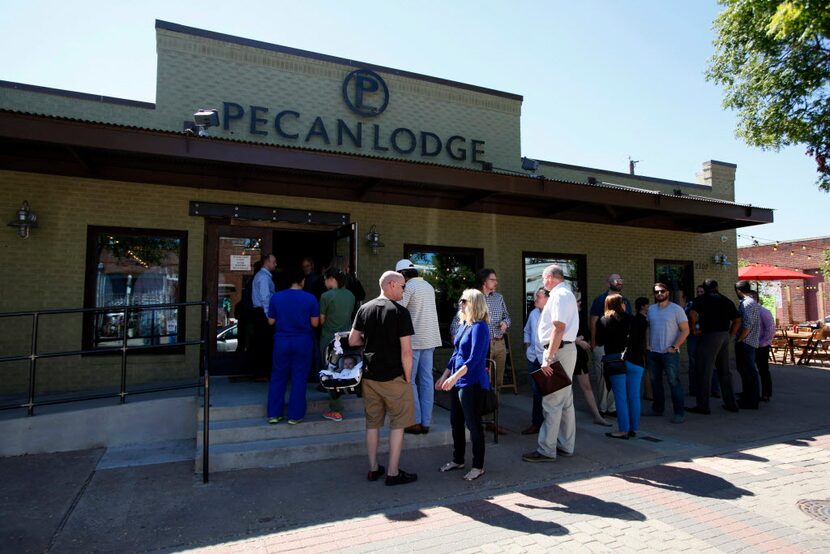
[[384, 328], [714, 319]]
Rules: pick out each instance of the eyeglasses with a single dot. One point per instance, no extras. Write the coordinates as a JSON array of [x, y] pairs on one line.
[[660, 291], [402, 284]]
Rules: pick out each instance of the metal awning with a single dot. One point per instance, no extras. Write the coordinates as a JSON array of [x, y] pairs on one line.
[[70, 147]]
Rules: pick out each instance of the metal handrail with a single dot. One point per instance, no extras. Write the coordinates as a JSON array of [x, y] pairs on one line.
[[34, 356]]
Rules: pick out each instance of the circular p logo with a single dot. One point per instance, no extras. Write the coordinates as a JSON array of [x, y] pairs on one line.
[[365, 93]]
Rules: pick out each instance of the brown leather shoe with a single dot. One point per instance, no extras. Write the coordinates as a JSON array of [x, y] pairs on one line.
[[532, 430], [500, 430], [414, 429]]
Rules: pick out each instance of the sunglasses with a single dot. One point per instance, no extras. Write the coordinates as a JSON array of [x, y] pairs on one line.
[[462, 302], [660, 291]]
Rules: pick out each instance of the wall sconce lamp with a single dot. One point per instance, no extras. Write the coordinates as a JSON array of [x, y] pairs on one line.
[[26, 219], [721, 259], [373, 239]]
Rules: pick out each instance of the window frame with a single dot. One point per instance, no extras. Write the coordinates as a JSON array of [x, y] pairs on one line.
[[90, 282]]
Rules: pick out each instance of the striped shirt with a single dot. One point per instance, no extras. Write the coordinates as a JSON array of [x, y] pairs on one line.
[[419, 299]]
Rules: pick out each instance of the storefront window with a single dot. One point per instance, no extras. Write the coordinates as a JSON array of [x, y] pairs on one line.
[[449, 270], [573, 265], [677, 275], [134, 267]]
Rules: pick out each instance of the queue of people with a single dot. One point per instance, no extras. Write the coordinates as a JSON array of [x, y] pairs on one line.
[[398, 332]]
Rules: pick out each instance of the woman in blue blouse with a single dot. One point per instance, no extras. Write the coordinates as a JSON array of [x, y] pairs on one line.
[[466, 377]]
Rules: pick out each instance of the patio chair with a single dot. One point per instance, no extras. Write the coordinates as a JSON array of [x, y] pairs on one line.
[[780, 343], [808, 346]]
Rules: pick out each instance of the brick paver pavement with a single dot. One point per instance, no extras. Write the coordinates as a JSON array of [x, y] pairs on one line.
[[765, 499]]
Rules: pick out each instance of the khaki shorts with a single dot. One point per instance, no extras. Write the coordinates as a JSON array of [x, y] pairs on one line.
[[393, 397]]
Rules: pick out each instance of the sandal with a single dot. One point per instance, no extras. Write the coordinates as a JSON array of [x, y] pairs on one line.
[[449, 466], [474, 474]]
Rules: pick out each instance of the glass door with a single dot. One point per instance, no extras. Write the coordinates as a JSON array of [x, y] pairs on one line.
[[233, 254]]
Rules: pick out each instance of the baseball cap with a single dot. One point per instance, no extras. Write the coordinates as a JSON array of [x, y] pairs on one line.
[[404, 264]]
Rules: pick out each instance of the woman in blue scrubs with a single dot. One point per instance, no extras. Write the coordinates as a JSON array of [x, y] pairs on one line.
[[294, 314]]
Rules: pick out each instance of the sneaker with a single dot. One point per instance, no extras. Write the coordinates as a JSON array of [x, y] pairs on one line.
[[402, 478], [376, 474], [449, 466], [474, 474], [333, 416], [294, 421], [674, 419], [536, 457], [274, 420]]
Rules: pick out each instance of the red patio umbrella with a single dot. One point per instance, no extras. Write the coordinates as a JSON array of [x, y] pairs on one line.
[[764, 272]]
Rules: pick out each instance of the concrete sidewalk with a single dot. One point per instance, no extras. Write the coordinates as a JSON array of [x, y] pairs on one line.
[[72, 502]]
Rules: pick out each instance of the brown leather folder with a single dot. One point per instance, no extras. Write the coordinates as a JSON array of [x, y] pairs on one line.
[[548, 384]]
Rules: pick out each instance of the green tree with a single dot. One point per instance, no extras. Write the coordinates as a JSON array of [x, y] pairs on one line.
[[772, 58], [825, 265]]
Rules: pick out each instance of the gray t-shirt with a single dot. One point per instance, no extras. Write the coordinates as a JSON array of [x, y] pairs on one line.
[[664, 326]]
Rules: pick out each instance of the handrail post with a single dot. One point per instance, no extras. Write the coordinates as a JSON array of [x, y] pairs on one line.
[[30, 408], [123, 391], [206, 414]]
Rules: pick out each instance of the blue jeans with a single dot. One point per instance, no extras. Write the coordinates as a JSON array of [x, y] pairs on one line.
[[423, 391], [291, 359], [627, 392], [668, 363], [750, 380], [537, 416], [464, 413]]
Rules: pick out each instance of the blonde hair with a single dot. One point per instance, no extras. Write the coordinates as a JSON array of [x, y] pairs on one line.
[[476, 307]]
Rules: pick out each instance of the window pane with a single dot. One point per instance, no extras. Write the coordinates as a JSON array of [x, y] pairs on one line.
[[678, 277], [136, 270], [572, 266], [237, 256], [449, 271]]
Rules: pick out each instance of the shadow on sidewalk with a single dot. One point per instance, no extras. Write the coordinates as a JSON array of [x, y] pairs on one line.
[[687, 480]]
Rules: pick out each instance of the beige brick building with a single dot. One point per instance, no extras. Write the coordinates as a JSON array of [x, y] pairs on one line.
[[309, 153]]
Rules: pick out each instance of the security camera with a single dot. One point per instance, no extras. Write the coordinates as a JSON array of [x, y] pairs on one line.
[[206, 118]]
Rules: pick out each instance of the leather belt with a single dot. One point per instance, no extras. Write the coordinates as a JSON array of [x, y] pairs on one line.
[[561, 344]]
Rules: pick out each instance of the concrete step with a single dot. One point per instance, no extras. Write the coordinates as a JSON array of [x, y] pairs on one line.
[[257, 428], [285, 451], [316, 404]]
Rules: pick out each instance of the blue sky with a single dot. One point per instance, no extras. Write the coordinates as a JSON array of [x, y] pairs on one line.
[[601, 80]]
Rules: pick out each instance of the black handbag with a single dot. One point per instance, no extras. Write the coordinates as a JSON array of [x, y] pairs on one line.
[[614, 364]]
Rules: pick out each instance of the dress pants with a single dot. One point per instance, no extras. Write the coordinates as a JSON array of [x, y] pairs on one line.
[[713, 356], [537, 415], [604, 397], [750, 382], [762, 362], [263, 344], [464, 413], [291, 360], [499, 355], [423, 391], [559, 427]]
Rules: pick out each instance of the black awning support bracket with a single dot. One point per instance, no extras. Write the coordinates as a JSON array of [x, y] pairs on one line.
[[262, 213]]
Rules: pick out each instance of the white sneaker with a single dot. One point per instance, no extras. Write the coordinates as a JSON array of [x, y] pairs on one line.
[[473, 474]]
